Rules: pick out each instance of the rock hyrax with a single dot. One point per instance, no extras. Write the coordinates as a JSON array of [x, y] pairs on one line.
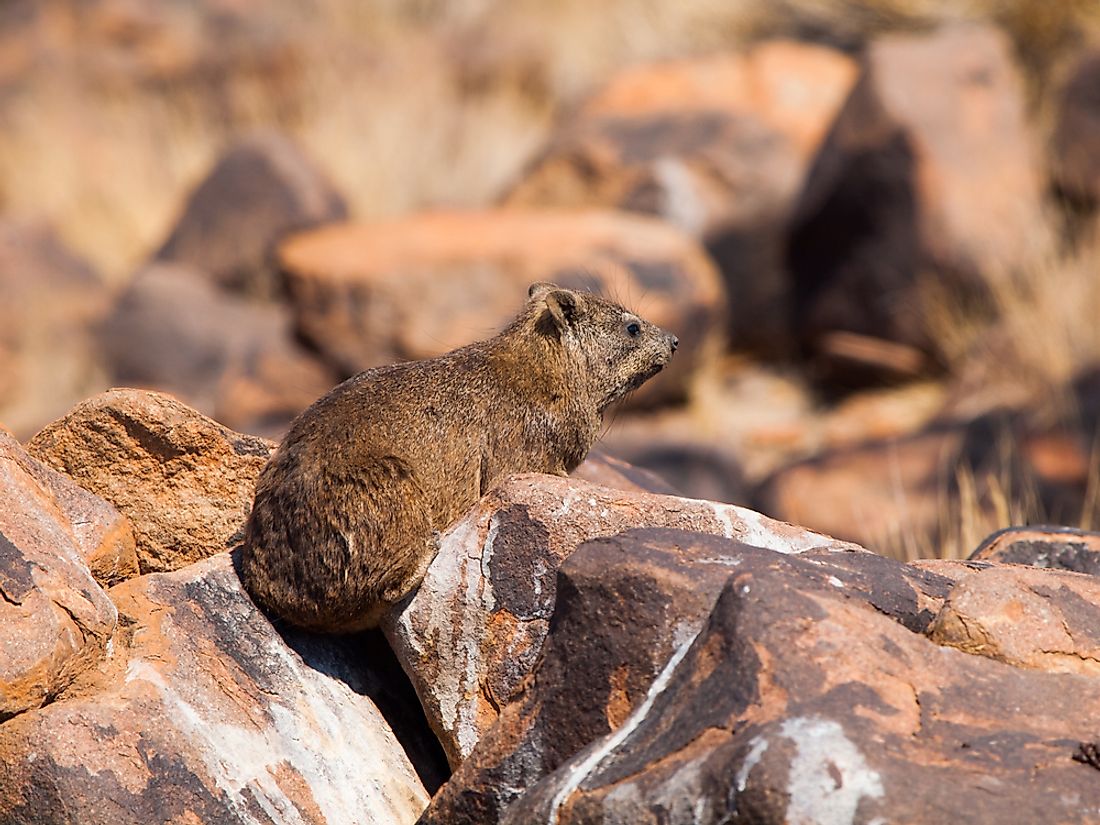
[[348, 510]]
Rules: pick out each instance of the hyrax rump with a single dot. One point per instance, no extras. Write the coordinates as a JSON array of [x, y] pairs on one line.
[[348, 509]]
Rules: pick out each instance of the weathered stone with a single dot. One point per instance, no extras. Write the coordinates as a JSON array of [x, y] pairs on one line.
[[419, 286], [1075, 142], [261, 189], [55, 622], [798, 703], [625, 604], [1043, 619], [1063, 548], [230, 358], [184, 481], [719, 146], [472, 632], [212, 717], [103, 536], [608, 471], [928, 179], [50, 303]]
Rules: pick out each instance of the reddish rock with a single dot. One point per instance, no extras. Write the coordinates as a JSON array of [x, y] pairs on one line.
[[184, 481], [1075, 141], [799, 701], [419, 286], [211, 716], [261, 189], [719, 146], [928, 178], [103, 536], [55, 621], [608, 471], [230, 358], [625, 604], [1058, 547], [475, 628], [1026, 617], [50, 304]]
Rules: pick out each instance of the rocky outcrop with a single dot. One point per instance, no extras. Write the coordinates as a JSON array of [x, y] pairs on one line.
[[625, 605], [718, 146], [56, 623], [802, 700], [262, 188], [211, 716], [50, 304], [475, 628], [1055, 547], [421, 286], [927, 180], [185, 482], [231, 358]]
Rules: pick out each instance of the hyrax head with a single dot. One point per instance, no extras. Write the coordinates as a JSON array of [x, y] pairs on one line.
[[617, 349]]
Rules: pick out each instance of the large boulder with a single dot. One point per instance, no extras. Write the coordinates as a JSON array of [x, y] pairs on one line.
[[50, 304], [260, 189], [625, 605], [801, 700], [719, 146], [174, 330], [928, 189], [419, 286], [56, 623], [211, 716], [184, 481], [475, 628]]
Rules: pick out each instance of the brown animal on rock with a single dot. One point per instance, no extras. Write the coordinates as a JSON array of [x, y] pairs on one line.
[[349, 508]]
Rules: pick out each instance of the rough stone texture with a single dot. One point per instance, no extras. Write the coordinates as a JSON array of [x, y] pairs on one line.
[[1058, 547], [184, 481], [1043, 619], [210, 717], [719, 146], [474, 629], [625, 605], [103, 536], [230, 358], [55, 621], [608, 471], [798, 703], [1075, 142], [929, 178], [261, 189], [50, 303], [420, 286]]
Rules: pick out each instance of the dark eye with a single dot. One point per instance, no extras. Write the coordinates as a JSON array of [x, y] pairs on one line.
[[633, 329]]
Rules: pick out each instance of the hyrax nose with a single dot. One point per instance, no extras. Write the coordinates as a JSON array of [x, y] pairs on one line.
[[673, 342]]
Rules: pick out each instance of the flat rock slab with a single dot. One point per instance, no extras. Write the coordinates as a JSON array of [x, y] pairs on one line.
[[1063, 548], [475, 628], [184, 481], [56, 622], [422, 285], [211, 717], [625, 605], [798, 703]]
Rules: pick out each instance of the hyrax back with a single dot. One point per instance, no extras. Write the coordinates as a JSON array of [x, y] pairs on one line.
[[346, 511]]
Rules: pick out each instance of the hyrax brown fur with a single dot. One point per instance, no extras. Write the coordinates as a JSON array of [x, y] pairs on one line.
[[347, 511]]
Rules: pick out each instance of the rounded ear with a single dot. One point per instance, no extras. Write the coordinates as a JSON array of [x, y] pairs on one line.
[[539, 288], [562, 306]]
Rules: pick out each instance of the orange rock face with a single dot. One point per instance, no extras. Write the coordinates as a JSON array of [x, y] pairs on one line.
[[420, 286], [184, 481], [56, 623]]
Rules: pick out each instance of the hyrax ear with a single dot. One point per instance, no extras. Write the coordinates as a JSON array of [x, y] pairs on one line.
[[562, 305], [540, 288]]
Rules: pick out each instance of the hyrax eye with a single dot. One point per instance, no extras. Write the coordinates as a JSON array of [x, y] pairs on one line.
[[633, 329]]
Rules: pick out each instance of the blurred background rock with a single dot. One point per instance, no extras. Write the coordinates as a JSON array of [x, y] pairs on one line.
[[873, 224]]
